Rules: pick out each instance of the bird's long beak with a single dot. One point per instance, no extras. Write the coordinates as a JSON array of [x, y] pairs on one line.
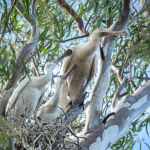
[[122, 33], [66, 53], [65, 76]]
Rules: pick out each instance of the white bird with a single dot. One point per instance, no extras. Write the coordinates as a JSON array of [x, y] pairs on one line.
[[51, 109], [84, 55], [27, 97]]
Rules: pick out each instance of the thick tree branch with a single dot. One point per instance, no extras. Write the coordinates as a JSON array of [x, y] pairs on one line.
[[126, 111], [102, 82], [26, 50], [71, 11], [121, 23]]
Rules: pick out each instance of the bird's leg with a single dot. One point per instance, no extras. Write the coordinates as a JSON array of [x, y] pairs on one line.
[[65, 77], [102, 53]]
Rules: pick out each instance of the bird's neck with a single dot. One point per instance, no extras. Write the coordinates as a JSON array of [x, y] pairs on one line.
[[92, 46], [43, 80], [94, 41], [54, 102]]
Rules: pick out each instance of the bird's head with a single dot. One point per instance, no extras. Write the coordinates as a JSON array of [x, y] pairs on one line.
[[99, 33], [49, 67]]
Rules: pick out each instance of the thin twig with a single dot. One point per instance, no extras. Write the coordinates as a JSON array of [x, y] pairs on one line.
[[133, 50], [117, 71], [7, 19], [130, 71], [135, 18], [143, 78], [114, 102], [74, 38], [35, 52], [88, 22]]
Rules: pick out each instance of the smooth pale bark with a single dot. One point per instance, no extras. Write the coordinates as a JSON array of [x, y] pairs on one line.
[[102, 136], [127, 110], [102, 82]]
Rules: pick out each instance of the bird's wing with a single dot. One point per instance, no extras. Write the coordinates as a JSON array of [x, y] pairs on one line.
[[93, 69], [66, 62], [16, 93]]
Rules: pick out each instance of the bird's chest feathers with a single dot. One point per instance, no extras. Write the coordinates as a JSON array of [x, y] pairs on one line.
[[83, 70]]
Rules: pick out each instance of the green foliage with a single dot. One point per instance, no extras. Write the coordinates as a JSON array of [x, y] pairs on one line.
[[56, 25], [6, 135]]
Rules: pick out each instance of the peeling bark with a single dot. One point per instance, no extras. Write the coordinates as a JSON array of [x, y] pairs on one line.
[[28, 48], [126, 111]]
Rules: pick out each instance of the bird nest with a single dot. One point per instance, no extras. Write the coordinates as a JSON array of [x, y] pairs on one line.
[[31, 134]]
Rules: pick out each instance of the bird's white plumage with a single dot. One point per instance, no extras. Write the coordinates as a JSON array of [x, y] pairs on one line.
[[51, 109], [84, 55], [27, 95]]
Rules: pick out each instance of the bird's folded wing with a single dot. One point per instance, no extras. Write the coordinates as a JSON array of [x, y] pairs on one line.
[[16, 93], [93, 69]]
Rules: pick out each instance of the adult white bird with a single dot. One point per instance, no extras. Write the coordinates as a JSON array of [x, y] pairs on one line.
[[27, 97], [84, 55], [51, 109]]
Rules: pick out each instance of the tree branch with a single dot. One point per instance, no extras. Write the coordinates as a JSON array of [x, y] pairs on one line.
[[118, 73], [135, 18], [102, 82], [78, 20], [126, 111], [7, 19], [26, 50], [133, 50], [114, 102], [74, 38]]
